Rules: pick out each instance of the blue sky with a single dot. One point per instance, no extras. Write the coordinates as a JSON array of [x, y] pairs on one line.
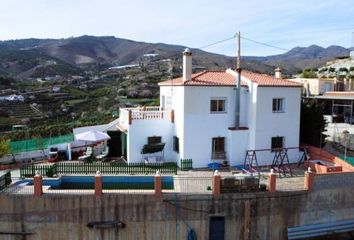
[[283, 23]]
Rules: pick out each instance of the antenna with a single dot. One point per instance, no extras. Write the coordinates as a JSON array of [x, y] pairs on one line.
[[170, 70], [238, 63], [351, 54]]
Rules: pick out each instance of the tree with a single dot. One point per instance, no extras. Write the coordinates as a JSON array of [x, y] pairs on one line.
[[312, 124], [343, 69], [4, 147], [309, 74]]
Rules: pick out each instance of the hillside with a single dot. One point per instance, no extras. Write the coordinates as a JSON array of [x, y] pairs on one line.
[[39, 57], [300, 58], [116, 51], [22, 58]]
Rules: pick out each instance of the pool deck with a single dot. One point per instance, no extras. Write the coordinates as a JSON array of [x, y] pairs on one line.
[[192, 182]]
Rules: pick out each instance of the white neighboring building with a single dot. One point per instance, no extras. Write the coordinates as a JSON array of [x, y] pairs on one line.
[[196, 118], [13, 98]]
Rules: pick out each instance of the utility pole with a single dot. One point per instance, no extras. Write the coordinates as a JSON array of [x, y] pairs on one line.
[[238, 85]]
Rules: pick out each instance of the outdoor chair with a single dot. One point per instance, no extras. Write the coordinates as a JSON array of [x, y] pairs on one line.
[[103, 154], [87, 154]]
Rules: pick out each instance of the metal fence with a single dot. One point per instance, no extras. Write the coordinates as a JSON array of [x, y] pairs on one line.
[[104, 168], [186, 164], [39, 143], [48, 170], [5, 180]]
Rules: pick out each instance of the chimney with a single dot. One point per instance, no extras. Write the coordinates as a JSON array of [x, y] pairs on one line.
[[278, 72], [187, 65]]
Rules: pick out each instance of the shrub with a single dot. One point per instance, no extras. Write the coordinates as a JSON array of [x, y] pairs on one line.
[[122, 92], [145, 93], [132, 93]]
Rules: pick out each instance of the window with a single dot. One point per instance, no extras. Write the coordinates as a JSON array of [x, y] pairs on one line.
[[278, 105], [154, 139], [277, 142], [218, 150], [217, 105], [176, 144]]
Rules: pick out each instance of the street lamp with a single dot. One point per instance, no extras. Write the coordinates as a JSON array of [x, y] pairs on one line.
[[346, 135]]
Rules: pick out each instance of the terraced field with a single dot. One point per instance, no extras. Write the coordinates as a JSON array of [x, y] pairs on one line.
[[14, 113], [19, 110]]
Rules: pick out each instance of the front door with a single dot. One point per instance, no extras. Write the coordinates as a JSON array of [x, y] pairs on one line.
[[217, 228]]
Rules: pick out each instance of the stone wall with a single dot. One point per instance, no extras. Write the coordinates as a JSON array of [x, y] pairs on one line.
[[247, 216], [333, 180]]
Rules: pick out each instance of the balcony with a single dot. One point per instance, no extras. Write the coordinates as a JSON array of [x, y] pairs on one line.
[[129, 115]]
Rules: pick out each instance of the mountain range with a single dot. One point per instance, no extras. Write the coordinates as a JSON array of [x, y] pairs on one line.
[[30, 57]]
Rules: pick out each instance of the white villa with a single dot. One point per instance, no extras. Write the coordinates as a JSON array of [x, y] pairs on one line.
[[196, 119]]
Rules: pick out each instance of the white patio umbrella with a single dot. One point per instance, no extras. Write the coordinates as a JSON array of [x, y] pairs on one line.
[[92, 136]]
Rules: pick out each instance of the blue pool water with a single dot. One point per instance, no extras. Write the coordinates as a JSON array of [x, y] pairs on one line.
[[109, 182]]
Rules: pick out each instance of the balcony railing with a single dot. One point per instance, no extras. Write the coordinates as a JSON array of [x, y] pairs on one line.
[[128, 115]]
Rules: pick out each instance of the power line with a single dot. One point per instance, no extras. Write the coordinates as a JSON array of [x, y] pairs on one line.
[[264, 44], [221, 41], [245, 38]]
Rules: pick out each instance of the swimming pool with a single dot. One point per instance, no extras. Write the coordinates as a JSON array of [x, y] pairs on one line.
[[109, 182]]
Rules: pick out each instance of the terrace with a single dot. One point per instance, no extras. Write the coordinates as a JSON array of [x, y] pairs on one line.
[[75, 177], [128, 115], [79, 179]]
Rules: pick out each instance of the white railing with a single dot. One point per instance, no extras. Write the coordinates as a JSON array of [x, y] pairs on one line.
[[149, 115], [192, 185], [142, 113], [144, 109], [153, 108]]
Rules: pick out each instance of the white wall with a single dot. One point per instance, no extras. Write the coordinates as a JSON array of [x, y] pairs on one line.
[[237, 145], [269, 124], [200, 126], [177, 95], [138, 134]]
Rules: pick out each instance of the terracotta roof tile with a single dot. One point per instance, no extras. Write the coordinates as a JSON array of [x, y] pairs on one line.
[[205, 78], [222, 78], [265, 80]]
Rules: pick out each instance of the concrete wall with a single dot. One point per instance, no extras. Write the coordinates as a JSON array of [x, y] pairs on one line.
[[333, 180], [247, 216], [237, 145], [270, 124], [315, 85]]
